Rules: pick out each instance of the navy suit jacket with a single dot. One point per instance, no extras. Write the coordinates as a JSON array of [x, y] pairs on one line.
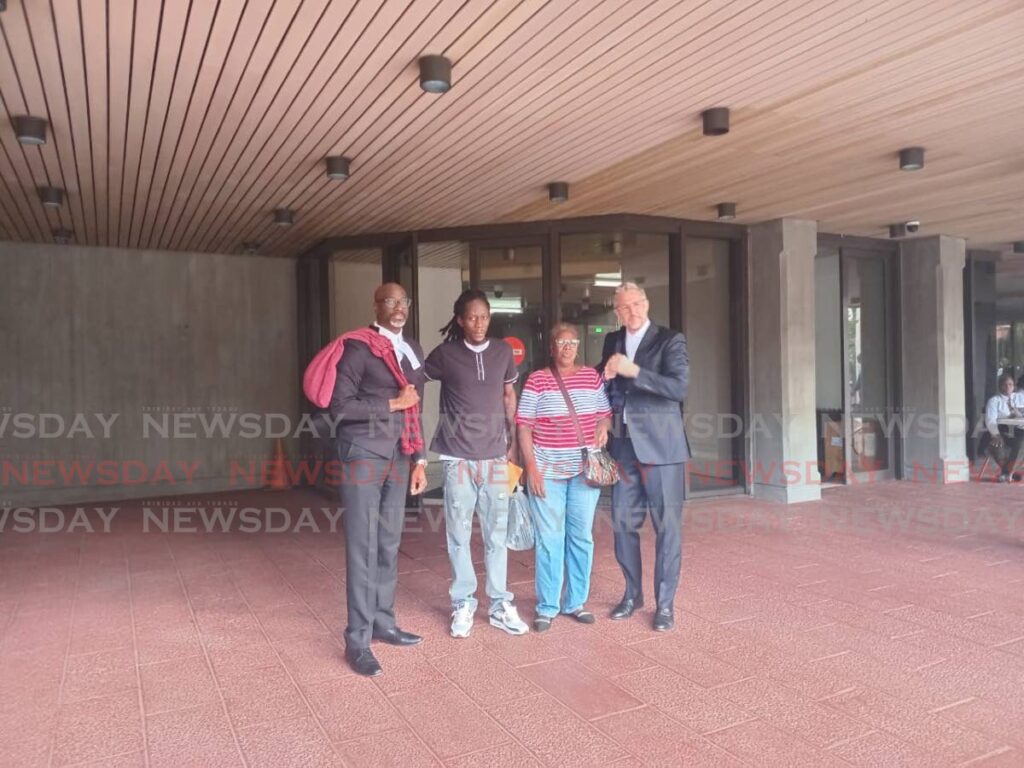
[[361, 393], [652, 402]]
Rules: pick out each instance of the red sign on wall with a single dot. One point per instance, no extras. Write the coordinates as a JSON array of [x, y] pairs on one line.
[[518, 349]]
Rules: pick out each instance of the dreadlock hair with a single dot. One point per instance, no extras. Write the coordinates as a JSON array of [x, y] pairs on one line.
[[453, 331]]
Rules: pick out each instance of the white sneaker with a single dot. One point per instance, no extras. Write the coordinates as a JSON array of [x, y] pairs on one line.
[[462, 621], [507, 617]]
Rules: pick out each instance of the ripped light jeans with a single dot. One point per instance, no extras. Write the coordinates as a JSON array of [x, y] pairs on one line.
[[480, 488]]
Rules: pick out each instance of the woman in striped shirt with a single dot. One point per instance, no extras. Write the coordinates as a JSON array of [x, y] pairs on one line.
[[562, 502]]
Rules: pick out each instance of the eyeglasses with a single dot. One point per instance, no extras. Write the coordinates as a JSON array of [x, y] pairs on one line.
[[567, 342], [391, 303]]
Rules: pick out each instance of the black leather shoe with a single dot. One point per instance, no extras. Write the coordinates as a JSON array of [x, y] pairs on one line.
[[397, 637], [664, 620], [363, 662], [626, 608]]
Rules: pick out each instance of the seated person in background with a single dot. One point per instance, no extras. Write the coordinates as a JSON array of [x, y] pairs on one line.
[[1005, 444]]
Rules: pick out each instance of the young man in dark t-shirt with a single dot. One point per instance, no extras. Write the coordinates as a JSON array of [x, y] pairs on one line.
[[475, 438]]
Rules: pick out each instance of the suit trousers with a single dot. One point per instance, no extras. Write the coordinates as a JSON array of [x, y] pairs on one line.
[[660, 488], [373, 493]]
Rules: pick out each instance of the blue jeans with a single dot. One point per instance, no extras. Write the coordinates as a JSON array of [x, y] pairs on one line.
[[480, 488], [564, 521]]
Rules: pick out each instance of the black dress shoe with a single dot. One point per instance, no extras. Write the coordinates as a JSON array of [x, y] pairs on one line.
[[626, 608], [663, 620], [363, 662], [396, 636]]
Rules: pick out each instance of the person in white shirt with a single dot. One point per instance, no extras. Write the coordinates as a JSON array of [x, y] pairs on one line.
[[1005, 443]]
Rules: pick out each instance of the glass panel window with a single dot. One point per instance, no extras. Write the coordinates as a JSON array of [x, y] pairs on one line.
[[712, 425], [443, 272], [867, 362], [512, 278], [594, 265], [354, 276]]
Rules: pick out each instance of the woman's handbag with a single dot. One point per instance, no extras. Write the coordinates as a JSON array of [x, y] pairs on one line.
[[520, 535], [599, 468]]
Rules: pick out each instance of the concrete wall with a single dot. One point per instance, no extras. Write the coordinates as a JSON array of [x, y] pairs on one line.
[[933, 359], [152, 337], [782, 369]]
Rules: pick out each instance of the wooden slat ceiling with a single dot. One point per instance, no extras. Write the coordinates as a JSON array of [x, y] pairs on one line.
[[183, 125]]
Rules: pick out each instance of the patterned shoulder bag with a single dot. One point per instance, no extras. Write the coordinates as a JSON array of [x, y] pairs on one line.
[[599, 467]]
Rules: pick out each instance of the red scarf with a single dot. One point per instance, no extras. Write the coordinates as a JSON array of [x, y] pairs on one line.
[[322, 372]]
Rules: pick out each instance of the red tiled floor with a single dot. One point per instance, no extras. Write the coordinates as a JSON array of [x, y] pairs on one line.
[[177, 684], [99, 674], [656, 740], [914, 724], [297, 743], [846, 631], [697, 708], [398, 749], [25, 751], [259, 695], [758, 743], [351, 707], [881, 749], [200, 736], [692, 663], [507, 755], [580, 689], [554, 734], [787, 710], [98, 728], [464, 728], [485, 677]]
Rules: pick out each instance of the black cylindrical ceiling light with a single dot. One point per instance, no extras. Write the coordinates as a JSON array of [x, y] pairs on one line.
[[62, 235], [284, 217], [338, 167], [435, 74], [30, 130], [897, 230], [726, 211], [716, 121], [912, 158], [250, 248], [558, 191], [1018, 247], [51, 197]]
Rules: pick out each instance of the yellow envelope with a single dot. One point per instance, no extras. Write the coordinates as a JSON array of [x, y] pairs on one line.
[[514, 473]]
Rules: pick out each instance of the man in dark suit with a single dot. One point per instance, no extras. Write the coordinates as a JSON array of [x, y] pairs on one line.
[[376, 475], [647, 369]]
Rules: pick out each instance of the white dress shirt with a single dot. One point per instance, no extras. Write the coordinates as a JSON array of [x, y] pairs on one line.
[[632, 345], [402, 348], [998, 407], [633, 339]]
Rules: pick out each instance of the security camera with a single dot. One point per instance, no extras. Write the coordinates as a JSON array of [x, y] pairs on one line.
[[913, 226], [498, 291]]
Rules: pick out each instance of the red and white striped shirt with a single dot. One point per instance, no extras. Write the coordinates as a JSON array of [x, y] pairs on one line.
[[542, 407]]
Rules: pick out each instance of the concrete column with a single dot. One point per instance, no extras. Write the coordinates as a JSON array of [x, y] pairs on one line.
[[932, 289], [782, 371]]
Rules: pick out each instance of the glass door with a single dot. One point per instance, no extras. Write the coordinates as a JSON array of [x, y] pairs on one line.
[[869, 420], [511, 273]]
